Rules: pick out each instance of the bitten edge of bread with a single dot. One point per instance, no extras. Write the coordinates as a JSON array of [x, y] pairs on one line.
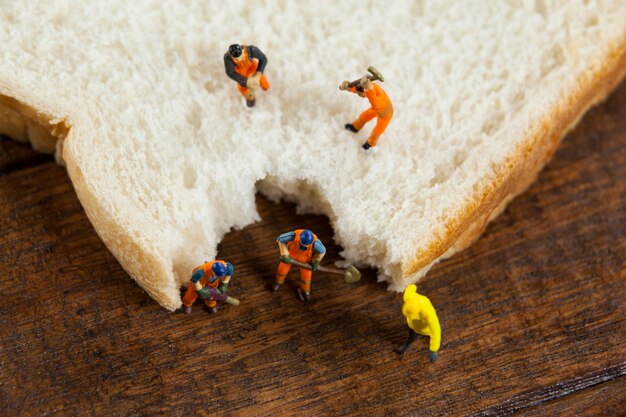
[[24, 117]]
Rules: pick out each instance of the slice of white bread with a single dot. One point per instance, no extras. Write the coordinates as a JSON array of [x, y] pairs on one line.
[[166, 158]]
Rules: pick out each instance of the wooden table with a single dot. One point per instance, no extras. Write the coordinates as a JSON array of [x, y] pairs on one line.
[[533, 313]]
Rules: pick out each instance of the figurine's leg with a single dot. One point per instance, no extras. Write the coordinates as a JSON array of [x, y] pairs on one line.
[[211, 306], [304, 292], [411, 336], [363, 118], [248, 93], [265, 85], [281, 274], [189, 297], [381, 125]]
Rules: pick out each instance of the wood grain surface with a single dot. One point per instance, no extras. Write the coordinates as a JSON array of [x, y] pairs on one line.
[[533, 313]]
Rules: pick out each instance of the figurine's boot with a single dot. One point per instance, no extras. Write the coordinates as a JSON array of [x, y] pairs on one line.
[[281, 274], [211, 306], [187, 309], [304, 296], [251, 103], [351, 128], [366, 146], [409, 340]]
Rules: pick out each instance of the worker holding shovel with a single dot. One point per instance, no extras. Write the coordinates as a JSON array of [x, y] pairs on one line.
[[302, 248]]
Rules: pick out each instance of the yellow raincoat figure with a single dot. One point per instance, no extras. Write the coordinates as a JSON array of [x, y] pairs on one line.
[[422, 319]]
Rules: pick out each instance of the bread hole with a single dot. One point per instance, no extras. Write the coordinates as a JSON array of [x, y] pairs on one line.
[[189, 177], [552, 59], [438, 120], [210, 86], [540, 7], [417, 8], [455, 109], [194, 115], [493, 123], [592, 20], [441, 173], [459, 158]]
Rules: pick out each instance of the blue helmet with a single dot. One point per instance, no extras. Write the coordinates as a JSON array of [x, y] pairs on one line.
[[219, 269], [306, 237]]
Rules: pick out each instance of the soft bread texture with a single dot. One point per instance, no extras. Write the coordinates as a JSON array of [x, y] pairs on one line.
[[166, 159]]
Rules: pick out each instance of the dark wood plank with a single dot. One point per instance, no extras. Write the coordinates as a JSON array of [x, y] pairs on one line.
[[606, 400], [533, 312]]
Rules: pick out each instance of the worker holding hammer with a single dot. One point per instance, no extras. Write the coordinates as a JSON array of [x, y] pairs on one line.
[[245, 64], [303, 247], [381, 108], [210, 282]]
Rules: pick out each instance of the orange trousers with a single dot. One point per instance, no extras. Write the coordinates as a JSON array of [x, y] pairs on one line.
[[248, 93], [382, 121], [305, 276], [191, 295]]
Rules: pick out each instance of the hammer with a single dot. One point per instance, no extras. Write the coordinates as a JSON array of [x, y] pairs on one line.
[[374, 75]]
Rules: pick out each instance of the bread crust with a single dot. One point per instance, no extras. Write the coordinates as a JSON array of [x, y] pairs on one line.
[[47, 133], [152, 272], [522, 167]]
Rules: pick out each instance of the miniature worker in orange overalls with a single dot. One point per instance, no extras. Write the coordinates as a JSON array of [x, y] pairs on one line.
[[245, 64], [210, 281], [381, 109], [303, 246]]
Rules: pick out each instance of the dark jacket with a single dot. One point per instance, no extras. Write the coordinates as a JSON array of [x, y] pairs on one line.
[[253, 52]]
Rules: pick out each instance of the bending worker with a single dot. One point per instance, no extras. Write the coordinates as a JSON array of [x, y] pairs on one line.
[[303, 246], [245, 64], [209, 281], [381, 109], [422, 319]]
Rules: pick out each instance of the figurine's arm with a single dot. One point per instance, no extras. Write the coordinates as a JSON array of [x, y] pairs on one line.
[[319, 249], [254, 52], [318, 253], [435, 335], [195, 278], [364, 82], [229, 66], [224, 281], [282, 246], [345, 86], [367, 84]]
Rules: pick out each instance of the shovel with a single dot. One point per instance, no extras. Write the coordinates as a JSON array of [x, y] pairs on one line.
[[350, 274]]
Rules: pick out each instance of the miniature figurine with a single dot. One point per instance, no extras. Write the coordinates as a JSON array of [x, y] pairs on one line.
[[381, 108], [245, 64], [422, 319], [303, 247], [210, 282]]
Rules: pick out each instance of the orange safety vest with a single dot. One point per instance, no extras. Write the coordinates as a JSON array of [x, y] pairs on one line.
[[378, 100], [208, 274], [245, 66], [296, 253]]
